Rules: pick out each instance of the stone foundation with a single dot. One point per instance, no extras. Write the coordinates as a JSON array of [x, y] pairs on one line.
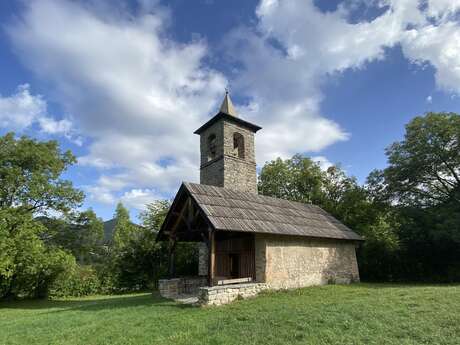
[[173, 288], [223, 294]]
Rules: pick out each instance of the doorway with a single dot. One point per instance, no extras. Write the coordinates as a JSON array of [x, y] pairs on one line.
[[234, 265]]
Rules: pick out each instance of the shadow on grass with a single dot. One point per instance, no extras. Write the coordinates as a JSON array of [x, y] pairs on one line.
[[96, 303]]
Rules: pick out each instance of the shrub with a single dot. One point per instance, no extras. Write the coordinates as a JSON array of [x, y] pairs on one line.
[[27, 266], [76, 281]]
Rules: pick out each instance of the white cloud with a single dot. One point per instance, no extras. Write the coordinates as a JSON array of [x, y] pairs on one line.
[[429, 99], [138, 95], [22, 109], [294, 46], [442, 9], [285, 60], [139, 198], [438, 46], [135, 93]]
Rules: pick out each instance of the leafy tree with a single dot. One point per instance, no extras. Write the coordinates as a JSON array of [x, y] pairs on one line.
[[80, 233], [27, 265], [421, 185], [146, 260], [424, 168], [143, 260], [30, 184], [297, 179], [30, 176], [154, 214], [124, 229]]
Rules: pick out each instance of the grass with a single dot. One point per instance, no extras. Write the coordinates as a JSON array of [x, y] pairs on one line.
[[356, 314]]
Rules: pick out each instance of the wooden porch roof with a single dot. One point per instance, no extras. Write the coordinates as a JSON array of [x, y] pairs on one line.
[[197, 206]]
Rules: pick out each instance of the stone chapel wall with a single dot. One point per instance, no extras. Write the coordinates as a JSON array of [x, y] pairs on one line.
[[294, 261]]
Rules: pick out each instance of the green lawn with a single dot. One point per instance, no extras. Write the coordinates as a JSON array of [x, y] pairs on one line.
[[356, 314]]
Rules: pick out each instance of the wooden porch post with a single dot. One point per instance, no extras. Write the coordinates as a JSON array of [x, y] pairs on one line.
[[172, 261], [212, 258]]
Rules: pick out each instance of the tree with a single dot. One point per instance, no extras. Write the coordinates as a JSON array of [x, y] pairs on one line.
[[30, 176], [297, 179], [31, 184], [424, 168], [124, 229], [27, 265], [422, 185], [147, 259], [81, 233], [154, 214]]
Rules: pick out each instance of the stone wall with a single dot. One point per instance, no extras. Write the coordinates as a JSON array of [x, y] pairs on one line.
[[240, 175], [218, 130], [169, 288], [202, 259], [294, 261], [226, 168], [218, 295], [249, 150], [173, 288]]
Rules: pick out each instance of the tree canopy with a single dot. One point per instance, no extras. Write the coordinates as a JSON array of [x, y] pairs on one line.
[[31, 183], [30, 176], [424, 168]]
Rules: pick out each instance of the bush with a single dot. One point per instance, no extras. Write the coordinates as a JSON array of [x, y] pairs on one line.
[[27, 266], [76, 281]]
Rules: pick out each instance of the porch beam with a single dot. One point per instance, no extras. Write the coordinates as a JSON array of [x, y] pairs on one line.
[[179, 217], [212, 258], [172, 261]]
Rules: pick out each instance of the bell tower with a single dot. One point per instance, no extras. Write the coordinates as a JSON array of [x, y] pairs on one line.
[[227, 150]]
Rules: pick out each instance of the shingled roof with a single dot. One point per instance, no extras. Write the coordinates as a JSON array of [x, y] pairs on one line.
[[230, 210]]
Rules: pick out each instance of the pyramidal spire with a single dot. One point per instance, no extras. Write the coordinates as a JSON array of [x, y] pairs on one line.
[[227, 106]]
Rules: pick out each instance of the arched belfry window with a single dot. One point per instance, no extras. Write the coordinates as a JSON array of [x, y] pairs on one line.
[[238, 145], [212, 147]]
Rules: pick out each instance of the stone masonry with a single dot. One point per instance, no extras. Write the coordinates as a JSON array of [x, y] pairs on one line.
[[223, 294], [176, 287], [225, 168], [292, 262], [202, 259]]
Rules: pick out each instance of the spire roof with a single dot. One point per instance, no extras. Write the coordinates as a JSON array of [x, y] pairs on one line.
[[227, 106]]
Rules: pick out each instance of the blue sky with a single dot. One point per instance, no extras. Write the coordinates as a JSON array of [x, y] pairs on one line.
[[125, 85]]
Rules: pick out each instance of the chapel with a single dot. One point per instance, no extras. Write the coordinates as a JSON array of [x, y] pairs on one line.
[[247, 240]]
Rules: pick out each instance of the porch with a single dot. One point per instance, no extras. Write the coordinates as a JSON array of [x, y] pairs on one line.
[[226, 257]]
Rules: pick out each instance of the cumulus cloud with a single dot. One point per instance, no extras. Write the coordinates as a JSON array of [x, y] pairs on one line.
[[139, 198], [22, 109], [138, 95], [285, 57], [438, 46]]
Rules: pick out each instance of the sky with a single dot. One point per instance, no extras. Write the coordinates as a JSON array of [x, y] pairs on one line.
[[123, 84]]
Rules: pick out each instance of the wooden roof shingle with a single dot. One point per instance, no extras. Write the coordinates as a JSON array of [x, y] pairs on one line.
[[230, 210]]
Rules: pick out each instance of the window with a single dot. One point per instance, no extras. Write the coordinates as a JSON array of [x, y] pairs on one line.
[[212, 149], [238, 145]]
